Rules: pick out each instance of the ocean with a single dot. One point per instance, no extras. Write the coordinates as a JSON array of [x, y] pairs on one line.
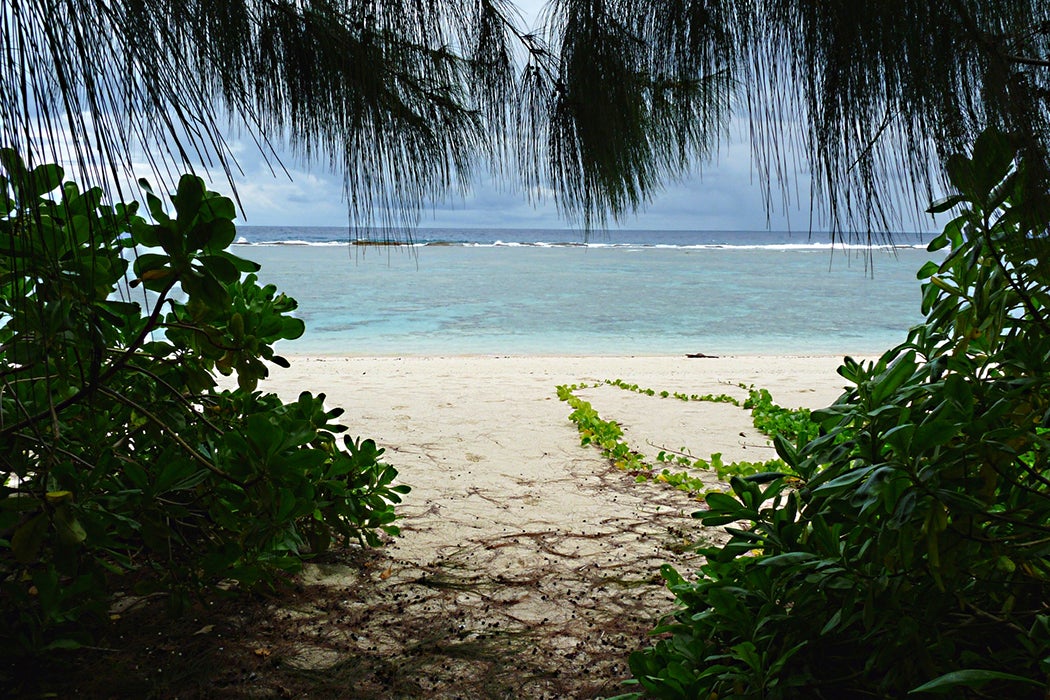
[[523, 291]]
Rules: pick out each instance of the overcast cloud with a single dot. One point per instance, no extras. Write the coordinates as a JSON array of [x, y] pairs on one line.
[[726, 195]]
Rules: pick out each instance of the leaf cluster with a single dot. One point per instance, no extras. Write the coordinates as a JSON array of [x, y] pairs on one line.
[[795, 424], [913, 556], [123, 466]]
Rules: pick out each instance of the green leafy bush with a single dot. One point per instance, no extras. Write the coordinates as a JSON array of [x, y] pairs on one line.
[[914, 554], [122, 465], [795, 424]]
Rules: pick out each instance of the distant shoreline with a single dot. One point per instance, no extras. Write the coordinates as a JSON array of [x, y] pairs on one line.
[[308, 356], [539, 237]]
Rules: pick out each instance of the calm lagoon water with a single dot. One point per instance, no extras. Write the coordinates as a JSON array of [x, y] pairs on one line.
[[636, 292]]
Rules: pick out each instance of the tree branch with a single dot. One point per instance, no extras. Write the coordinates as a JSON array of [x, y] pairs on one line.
[[1024, 60], [204, 461], [149, 327]]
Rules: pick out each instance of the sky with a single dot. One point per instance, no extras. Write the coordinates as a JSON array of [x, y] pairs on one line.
[[725, 194]]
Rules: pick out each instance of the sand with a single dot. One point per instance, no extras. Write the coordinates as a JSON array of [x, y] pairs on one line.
[[528, 566]]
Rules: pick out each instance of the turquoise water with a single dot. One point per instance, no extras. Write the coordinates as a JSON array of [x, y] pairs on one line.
[[608, 298]]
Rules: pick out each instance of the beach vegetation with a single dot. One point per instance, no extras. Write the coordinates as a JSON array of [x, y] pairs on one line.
[[681, 396], [910, 555], [795, 424], [608, 437], [768, 417], [126, 469]]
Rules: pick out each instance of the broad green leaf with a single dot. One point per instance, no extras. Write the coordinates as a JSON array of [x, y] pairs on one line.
[[845, 480], [223, 233], [788, 559], [13, 165], [148, 262], [785, 450], [145, 234], [45, 179], [723, 503], [156, 208], [292, 328], [217, 207], [993, 155], [935, 432], [219, 266], [928, 269], [960, 171], [70, 531], [173, 471], [58, 497], [969, 677], [188, 200], [241, 264], [945, 204], [29, 538], [896, 374]]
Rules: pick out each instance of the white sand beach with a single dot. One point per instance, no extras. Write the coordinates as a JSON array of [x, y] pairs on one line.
[[516, 540]]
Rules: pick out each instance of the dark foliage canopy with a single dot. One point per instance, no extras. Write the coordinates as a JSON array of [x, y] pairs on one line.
[[601, 103]]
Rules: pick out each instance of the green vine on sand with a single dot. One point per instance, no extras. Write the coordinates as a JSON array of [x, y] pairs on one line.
[[712, 398], [768, 418], [605, 435], [771, 419]]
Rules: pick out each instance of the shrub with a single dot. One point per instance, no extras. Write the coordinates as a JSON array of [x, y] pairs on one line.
[[123, 466], [913, 555]]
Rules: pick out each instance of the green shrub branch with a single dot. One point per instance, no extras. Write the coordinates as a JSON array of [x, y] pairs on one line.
[[123, 466], [910, 555]]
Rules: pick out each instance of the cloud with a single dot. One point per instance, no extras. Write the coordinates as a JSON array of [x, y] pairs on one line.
[[726, 194], [723, 195]]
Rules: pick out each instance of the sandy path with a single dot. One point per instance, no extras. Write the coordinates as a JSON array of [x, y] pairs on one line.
[[528, 566]]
